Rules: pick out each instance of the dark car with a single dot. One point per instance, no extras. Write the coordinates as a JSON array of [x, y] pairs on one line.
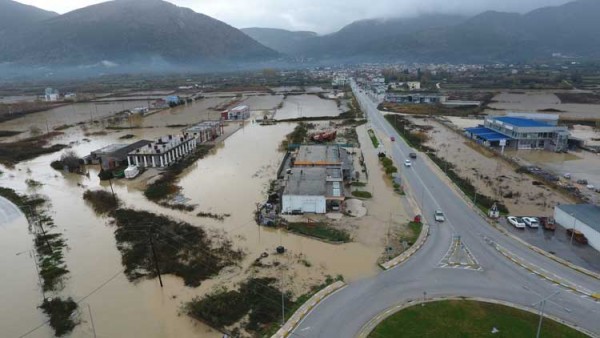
[[412, 155]]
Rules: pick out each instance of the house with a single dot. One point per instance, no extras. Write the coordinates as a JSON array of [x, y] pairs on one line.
[[520, 133], [238, 113], [582, 217], [163, 152], [51, 95], [325, 155], [115, 155], [173, 100], [70, 96], [206, 131]]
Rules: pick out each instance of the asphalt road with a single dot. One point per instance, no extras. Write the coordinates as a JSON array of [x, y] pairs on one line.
[[344, 313]]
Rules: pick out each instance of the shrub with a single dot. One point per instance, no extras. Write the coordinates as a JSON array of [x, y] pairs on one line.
[[102, 201], [60, 312], [361, 194]]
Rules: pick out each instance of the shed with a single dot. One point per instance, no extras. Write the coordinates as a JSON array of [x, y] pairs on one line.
[[582, 217]]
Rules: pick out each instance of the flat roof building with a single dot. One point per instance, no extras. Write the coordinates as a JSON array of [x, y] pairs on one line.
[[415, 98], [115, 155], [582, 217], [520, 133], [163, 152], [324, 155], [312, 190]]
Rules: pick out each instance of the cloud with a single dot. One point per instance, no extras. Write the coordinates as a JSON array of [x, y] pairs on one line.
[[318, 15]]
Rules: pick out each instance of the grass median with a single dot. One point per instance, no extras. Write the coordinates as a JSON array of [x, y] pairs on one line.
[[319, 230], [465, 319]]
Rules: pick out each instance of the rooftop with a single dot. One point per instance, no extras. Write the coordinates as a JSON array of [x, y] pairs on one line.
[[121, 150], [313, 182], [162, 145], [309, 155], [521, 122], [487, 134], [586, 213]]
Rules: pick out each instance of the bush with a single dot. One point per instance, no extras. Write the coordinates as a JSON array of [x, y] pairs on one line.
[[361, 194], [219, 309], [57, 165], [60, 312], [102, 201]]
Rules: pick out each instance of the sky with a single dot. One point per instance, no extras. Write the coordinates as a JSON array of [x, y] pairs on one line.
[[321, 16]]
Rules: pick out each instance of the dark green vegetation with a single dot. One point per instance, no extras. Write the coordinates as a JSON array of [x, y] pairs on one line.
[[588, 98], [298, 136], [373, 138], [126, 137], [182, 249], [165, 186], [103, 202], [12, 153], [319, 230], [430, 109], [461, 318], [260, 298], [49, 248], [414, 230], [60, 312], [70, 161], [358, 184], [219, 217], [361, 194], [9, 133], [388, 165], [417, 140]]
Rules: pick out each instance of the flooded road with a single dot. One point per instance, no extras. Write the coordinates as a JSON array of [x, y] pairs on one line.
[[231, 180]]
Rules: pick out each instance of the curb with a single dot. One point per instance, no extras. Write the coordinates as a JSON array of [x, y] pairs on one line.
[[299, 315], [371, 324], [408, 253]]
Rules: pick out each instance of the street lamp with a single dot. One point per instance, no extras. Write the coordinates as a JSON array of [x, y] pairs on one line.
[[574, 224], [542, 304]]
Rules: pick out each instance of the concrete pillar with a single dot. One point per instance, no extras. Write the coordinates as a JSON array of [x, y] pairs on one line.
[[129, 160], [153, 161], [145, 161], [162, 161], [137, 161]]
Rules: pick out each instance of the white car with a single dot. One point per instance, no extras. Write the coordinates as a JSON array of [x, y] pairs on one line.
[[407, 163], [439, 216], [516, 222], [531, 222]]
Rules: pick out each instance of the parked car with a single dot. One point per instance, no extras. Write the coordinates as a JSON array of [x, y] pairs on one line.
[[567, 176], [407, 163], [590, 186], [582, 182], [531, 222], [439, 216], [393, 139], [548, 223], [413, 155], [516, 222], [577, 235]]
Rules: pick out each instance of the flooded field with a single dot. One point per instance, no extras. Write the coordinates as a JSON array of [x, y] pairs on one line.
[[231, 180], [298, 106], [540, 100], [493, 177]]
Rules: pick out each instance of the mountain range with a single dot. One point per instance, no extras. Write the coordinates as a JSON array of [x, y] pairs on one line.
[[156, 32]]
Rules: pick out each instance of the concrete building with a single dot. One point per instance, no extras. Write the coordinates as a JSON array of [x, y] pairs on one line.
[[312, 190], [164, 152], [206, 131], [238, 113], [114, 155], [521, 133], [582, 217], [416, 98], [51, 95]]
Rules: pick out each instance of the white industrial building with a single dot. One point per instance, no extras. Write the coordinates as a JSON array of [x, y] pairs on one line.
[[312, 190], [582, 217], [164, 152]]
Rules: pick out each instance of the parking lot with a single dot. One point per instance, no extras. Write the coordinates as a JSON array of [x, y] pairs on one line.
[[558, 243]]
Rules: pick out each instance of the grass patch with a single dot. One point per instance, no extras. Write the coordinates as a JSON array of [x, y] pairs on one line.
[[218, 217], [414, 230], [126, 137], [358, 184], [373, 138], [319, 230], [12, 153], [298, 136], [9, 133], [362, 194], [61, 314], [64, 127], [165, 186], [101, 201], [461, 318], [182, 249]]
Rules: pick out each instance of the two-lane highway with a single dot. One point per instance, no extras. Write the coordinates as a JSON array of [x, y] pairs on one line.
[[345, 312]]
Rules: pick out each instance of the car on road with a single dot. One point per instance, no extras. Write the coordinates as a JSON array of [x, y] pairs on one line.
[[393, 139], [516, 222], [407, 163], [412, 155], [438, 215], [531, 222]]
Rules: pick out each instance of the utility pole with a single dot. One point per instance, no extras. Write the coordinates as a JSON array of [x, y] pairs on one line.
[[573, 230], [92, 320], [282, 300], [112, 190], [155, 258]]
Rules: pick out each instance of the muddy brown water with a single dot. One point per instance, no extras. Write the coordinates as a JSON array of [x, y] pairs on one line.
[[539, 100], [231, 180], [297, 106]]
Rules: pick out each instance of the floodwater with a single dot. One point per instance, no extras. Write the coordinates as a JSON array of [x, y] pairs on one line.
[[540, 100], [231, 180], [298, 106]]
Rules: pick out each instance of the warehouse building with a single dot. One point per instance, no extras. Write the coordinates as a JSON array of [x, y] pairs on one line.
[[115, 155], [206, 131], [582, 217], [520, 133], [331, 156], [312, 190]]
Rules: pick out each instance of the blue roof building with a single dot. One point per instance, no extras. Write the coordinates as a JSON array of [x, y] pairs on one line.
[[520, 133]]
